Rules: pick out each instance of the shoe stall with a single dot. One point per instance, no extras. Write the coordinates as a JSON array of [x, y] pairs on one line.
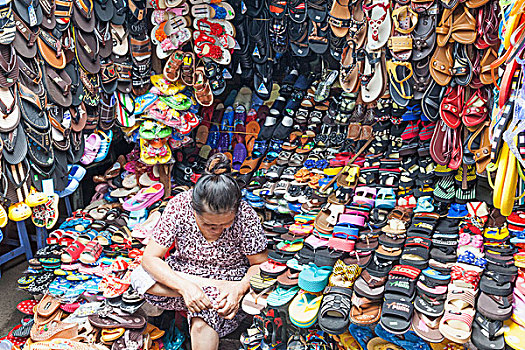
[[380, 142]]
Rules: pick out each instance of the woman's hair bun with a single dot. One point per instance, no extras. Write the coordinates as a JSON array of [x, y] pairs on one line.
[[218, 164]]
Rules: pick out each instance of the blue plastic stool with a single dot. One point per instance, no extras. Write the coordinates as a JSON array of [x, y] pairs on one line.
[[22, 245], [69, 211]]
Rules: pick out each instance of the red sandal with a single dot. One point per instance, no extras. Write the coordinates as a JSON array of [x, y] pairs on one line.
[[450, 109], [73, 252]]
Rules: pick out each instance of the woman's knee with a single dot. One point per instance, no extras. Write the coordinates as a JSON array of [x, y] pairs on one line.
[[199, 326]]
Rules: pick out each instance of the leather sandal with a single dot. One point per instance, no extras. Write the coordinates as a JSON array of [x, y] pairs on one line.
[[340, 18], [489, 57], [350, 68], [444, 28], [450, 109], [188, 67], [404, 21], [463, 26], [424, 34], [422, 77], [431, 101], [475, 110], [203, 93], [462, 69], [358, 24], [172, 67], [482, 154], [51, 50], [441, 64]]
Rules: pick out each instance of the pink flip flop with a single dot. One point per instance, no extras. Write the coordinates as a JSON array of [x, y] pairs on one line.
[[144, 198], [91, 149]]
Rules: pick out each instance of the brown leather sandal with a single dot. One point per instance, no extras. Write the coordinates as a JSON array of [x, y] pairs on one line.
[[464, 26], [444, 28], [482, 154], [49, 48], [485, 74], [441, 63], [404, 21], [172, 68], [203, 93]]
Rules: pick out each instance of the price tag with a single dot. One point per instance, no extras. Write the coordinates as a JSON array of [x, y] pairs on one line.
[[48, 187], [32, 16]]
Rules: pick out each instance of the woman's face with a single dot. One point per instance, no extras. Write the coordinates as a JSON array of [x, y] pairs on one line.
[[212, 225]]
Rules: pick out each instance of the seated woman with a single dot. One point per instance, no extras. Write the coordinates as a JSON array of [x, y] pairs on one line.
[[218, 243]]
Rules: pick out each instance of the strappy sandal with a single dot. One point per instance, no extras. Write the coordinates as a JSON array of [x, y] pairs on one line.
[[372, 83], [203, 93], [340, 17], [298, 38], [424, 35], [487, 19], [441, 65], [404, 22], [475, 110], [336, 46], [464, 26], [489, 57], [444, 28], [173, 66], [318, 37], [350, 68], [422, 77], [462, 69], [358, 24], [379, 22]]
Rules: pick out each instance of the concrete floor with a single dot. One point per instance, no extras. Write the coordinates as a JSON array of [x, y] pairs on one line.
[[10, 295]]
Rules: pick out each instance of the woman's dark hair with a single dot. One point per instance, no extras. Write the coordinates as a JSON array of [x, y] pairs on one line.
[[216, 191]]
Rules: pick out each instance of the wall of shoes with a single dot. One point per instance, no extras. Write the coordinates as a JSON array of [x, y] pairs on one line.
[[381, 142]]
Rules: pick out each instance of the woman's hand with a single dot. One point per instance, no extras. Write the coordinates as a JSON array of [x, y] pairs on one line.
[[229, 299], [195, 299]]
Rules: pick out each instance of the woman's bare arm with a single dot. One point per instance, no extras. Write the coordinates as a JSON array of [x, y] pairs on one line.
[[171, 283], [154, 263], [232, 292]]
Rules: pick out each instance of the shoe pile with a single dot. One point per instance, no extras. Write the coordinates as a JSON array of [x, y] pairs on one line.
[[381, 143], [84, 271], [54, 323]]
